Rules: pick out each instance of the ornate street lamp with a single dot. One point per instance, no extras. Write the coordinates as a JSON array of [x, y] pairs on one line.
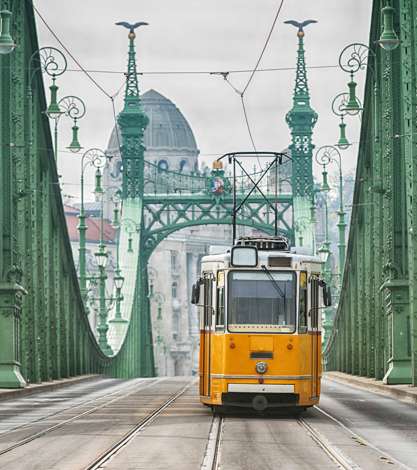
[[354, 57], [101, 256], [389, 39], [301, 224], [52, 62], [96, 158], [325, 188], [118, 279], [7, 44], [130, 227], [339, 109], [102, 327], [325, 156], [73, 108]]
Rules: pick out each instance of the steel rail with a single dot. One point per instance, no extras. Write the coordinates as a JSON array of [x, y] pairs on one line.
[[332, 451], [388, 458], [212, 454], [70, 420], [115, 448], [7, 432]]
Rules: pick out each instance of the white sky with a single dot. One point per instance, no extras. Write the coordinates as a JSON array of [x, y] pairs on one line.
[[202, 35]]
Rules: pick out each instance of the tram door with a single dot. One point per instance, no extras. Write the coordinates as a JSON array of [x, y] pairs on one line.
[[315, 338], [205, 346]]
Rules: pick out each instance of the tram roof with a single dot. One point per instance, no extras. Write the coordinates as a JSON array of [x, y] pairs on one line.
[[264, 255]]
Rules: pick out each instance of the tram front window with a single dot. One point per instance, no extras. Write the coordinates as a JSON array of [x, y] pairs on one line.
[[261, 301]]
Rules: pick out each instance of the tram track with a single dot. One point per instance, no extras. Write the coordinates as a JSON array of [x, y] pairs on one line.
[[384, 456], [37, 435], [332, 451], [212, 456], [70, 407], [140, 426]]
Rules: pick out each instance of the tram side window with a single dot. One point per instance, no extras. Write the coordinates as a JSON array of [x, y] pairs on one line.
[[302, 308], [220, 301], [208, 300], [200, 304], [220, 308], [314, 302]]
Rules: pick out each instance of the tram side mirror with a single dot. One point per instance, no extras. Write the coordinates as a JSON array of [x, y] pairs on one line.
[[195, 294], [327, 295]]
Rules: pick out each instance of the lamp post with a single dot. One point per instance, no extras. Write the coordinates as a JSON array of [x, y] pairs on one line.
[[324, 251], [339, 109], [96, 158], [52, 62], [102, 257], [73, 108], [7, 44], [353, 58], [130, 227], [325, 188], [389, 39], [325, 156], [300, 224], [116, 198], [102, 327]]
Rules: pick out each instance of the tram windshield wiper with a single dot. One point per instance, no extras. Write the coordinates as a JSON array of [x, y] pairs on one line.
[[274, 282]]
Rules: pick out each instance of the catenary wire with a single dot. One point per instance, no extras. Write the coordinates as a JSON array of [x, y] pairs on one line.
[[253, 71], [264, 47], [204, 72], [92, 79]]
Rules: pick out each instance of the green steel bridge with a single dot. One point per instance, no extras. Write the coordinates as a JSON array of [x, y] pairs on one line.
[[44, 329]]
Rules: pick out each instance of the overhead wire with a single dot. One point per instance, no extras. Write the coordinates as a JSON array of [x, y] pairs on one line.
[[241, 93], [203, 72], [264, 48], [49, 28], [86, 72]]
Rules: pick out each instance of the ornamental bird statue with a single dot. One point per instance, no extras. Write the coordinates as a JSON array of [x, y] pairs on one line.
[[131, 27], [300, 26]]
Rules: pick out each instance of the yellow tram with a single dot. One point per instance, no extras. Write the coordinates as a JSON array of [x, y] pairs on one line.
[[260, 340]]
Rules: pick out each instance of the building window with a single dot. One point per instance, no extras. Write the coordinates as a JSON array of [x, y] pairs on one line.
[[162, 165], [174, 290], [174, 261], [183, 165], [175, 326]]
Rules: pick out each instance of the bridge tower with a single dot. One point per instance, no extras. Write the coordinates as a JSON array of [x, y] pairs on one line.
[[132, 122], [301, 120]]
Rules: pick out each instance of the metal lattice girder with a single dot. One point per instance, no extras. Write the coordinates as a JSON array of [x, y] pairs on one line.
[[375, 329], [165, 214], [44, 329]]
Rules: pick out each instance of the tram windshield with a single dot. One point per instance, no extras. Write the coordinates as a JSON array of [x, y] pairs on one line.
[[262, 301]]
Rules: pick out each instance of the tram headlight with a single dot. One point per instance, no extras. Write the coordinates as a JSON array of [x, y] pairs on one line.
[[261, 367]]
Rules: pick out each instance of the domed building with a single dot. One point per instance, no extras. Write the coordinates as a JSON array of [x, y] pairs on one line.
[[169, 140]]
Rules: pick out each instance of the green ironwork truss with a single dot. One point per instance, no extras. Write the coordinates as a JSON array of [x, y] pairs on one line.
[[375, 328], [164, 215]]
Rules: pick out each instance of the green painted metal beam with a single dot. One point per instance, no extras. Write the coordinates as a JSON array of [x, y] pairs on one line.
[[376, 322]]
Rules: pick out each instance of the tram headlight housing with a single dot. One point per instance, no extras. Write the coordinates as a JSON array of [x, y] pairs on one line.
[[261, 367]]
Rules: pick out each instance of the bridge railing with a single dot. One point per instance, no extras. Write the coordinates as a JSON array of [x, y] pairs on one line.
[[44, 328], [375, 327]]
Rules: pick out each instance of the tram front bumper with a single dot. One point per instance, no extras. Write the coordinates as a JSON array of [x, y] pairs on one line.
[[260, 396]]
